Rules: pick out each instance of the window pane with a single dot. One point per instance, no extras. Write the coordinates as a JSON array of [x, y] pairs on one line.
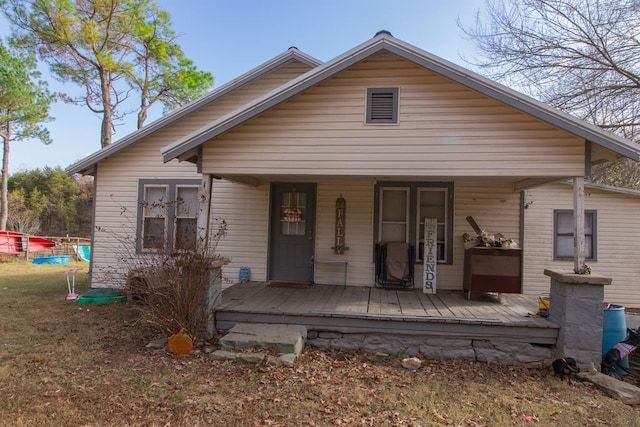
[[187, 203], [432, 205], [153, 235], [588, 224], [394, 205], [293, 214], [565, 223], [155, 202], [394, 233], [186, 233], [588, 247], [564, 246], [155, 212]]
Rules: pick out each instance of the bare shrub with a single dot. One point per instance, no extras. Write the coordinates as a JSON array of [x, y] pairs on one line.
[[175, 291], [172, 289]]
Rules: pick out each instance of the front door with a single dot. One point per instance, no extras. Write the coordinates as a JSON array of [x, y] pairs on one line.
[[293, 221]]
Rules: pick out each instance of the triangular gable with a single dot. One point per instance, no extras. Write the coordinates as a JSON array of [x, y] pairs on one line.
[[87, 164], [385, 42]]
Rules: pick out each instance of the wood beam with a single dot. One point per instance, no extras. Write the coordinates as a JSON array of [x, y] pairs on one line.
[[204, 213], [528, 183], [245, 180], [578, 225]]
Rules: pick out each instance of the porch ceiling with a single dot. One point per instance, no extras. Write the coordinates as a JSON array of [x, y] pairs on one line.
[[519, 182]]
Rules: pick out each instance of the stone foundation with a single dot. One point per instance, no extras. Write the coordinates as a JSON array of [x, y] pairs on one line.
[[499, 352]]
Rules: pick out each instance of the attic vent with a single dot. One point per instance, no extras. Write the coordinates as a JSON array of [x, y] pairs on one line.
[[382, 105]]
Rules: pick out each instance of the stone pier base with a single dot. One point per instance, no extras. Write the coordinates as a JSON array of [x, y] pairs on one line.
[[576, 306]]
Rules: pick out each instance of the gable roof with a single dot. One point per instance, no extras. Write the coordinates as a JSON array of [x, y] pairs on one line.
[[292, 53], [383, 41]]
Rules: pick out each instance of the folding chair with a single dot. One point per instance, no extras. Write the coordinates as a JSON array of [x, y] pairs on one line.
[[394, 264]]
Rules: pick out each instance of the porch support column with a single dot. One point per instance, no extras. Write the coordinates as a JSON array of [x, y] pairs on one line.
[[578, 225], [204, 214], [576, 306], [213, 292]]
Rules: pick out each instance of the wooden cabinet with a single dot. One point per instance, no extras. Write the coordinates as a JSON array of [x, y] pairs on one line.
[[492, 270]]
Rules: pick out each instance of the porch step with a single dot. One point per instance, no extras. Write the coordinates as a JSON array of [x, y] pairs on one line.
[[285, 339]]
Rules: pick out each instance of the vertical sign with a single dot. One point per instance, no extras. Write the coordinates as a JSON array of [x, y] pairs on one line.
[[341, 216], [430, 255]]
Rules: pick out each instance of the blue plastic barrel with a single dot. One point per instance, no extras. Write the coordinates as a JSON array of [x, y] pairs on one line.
[[614, 328]]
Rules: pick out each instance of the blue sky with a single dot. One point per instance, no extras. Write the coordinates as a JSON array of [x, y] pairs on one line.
[[230, 37]]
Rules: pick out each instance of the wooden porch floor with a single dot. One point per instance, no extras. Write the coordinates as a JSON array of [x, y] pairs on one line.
[[351, 309]]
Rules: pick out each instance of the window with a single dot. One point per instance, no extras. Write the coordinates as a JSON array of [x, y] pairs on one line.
[[563, 234], [432, 203], [167, 215], [155, 217], [394, 214], [382, 105], [401, 209], [186, 217]]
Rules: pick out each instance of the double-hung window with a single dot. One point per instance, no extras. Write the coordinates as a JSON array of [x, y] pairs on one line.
[[167, 215], [401, 210], [563, 226]]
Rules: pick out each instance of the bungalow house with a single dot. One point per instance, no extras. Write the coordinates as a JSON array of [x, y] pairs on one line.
[[312, 164]]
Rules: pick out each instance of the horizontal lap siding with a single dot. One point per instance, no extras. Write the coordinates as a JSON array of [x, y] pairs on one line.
[[246, 212], [117, 179], [240, 97], [494, 206], [358, 233], [444, 130], [618, 240]]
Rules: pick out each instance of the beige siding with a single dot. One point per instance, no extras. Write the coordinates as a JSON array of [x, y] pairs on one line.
[[359, 232], [222, 106], [618, 237], [444, 130], [117, 178], [246, 211], [494, 206]]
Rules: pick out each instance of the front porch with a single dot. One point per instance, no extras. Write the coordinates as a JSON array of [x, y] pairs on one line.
[[353, 310]]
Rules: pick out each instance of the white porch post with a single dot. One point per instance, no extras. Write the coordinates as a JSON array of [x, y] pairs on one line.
[[213, 293], [578, 229], [204, 213]]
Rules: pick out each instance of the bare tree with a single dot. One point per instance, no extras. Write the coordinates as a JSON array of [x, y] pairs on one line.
[[581, 56]]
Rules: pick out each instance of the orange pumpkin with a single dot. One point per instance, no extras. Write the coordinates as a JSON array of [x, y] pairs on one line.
[[180, 343]]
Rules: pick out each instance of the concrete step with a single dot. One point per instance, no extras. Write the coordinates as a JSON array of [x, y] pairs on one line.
[[282, 338]]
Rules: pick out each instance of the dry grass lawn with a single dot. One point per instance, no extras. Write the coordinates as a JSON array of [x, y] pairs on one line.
[[66, 364]]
